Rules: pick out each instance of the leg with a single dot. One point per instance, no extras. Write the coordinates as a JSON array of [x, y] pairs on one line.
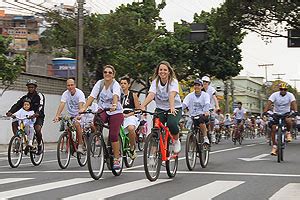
[[172, 123], [115, 122], [14, 126], [131, 130]]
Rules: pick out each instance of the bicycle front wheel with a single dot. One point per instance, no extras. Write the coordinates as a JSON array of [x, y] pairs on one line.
[[141, 142], [36, 159], [63, 150], [15, 151], [152, 159], [279, 146], [126, 154], [95, 156], [82, 157], [172, 160], [117, 172], [204, 152], [191, 151]]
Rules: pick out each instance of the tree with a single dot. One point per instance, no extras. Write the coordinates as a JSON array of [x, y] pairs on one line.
[[10, 67], [268, 18]]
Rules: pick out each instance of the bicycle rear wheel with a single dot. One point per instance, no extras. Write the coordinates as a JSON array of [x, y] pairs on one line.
[[128, 161], [36, 159], [82, 158], [15, 151], [172, 160], [63, 150], [152, 159], [117, 172], [191, 151], [95, 156]]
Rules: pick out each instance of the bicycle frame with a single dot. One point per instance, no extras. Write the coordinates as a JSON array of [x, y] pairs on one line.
[[163, 140]]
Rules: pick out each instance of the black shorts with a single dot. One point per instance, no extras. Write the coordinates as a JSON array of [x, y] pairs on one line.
[[39, 121], [201, 120]]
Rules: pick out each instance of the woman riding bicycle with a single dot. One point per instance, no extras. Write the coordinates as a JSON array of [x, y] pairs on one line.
[[165, 91], [108, 93]]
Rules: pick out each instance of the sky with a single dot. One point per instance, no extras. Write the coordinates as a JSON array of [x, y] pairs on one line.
[[254, 50]]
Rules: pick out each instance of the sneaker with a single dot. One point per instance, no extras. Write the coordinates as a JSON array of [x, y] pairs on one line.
[[213, 138], [206, 140], [132, 154], [274, 150], [40, 150], [176, 146], [116, 164], [289, 137], [80, 149]]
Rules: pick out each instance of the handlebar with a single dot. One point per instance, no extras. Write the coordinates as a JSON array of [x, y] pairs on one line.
[[94, 113]]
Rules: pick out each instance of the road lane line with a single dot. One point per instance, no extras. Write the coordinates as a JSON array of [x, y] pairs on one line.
[[40, 188], [208, 191], [12, 180], [251, 145], [290, 191], [116, 190]]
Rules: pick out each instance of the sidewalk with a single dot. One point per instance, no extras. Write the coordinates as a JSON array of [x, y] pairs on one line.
[[48, 146]]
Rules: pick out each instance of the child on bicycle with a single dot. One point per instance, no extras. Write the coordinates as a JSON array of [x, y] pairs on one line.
[[25, 115]]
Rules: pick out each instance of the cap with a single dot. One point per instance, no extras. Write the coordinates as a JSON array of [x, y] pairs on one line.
[[198, 81], [31, 82], [206, 78]]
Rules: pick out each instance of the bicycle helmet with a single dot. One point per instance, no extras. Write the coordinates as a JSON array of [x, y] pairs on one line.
[[283, 85], [31, 82], [206, 79], [27, 99]]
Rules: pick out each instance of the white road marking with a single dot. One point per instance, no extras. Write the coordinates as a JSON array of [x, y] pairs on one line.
[[116, 190], [12, 180], [289, 192], [208, 191], [40, 188], [256, 158]]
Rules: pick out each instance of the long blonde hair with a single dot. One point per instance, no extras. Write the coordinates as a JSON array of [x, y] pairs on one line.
[[171, 77]]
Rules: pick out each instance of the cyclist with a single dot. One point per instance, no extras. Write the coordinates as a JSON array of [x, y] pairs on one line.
[[198, 103], [227, 123], [130, 101], [284, 102], [26, 113], [37, 105], [220, 118], [74, 98], [239, 117], [214, 103], [108, 93], [165, 91]]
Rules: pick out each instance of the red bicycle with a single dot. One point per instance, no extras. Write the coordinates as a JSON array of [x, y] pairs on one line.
[[159, 147]]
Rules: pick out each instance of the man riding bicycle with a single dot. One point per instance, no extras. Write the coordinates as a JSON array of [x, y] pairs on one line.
[[239, 117], [74, 98], [37, 105], [198, 103], [284, 102]]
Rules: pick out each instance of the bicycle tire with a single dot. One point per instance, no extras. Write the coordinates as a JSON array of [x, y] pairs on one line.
[[141, 143], [172, 160], [36, 159], [82, 158], [279, 146], [95, 156], [204, 150], [117, 172], [128, 161], [152, 140], [15, 146], [63, 148], [191, 146]]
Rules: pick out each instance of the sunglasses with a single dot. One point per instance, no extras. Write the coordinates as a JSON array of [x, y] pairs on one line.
[[205, 82], [106, 72], [282, 89]]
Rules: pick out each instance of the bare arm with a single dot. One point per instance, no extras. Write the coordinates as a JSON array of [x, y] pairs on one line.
[[136, 101], [172, 101], [148, 99], [294, 106], [268, 106], [216, 102], [87, 104], [59, 111]]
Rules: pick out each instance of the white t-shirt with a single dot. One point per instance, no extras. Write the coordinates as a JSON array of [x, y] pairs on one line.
[[211, 91], [240, 113], [73, 101], [282, 104], [162, 95], [21, 114], [197, 105], [106, 96]]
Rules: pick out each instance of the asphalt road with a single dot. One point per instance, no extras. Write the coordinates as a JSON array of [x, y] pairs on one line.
[[244, 171]]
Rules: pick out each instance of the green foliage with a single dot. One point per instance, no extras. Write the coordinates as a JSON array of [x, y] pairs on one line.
[[10, 68]]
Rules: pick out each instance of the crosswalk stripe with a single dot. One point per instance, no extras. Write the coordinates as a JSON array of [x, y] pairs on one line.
[[289, 192], [12, 180], [41, 188], [208, 191], [116, 190]]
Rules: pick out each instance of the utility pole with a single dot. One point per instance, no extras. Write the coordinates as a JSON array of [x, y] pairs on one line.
[[226, 96], [278, 76], [266, 70], [79, 44], [232, 93], [295, 82]]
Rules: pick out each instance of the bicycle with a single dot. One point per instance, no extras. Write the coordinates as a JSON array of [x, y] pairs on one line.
[[280, 133], [195, 147], [238, 134], [141, 133], [158, 148], [16, 147], [67, 144], [100, 152]]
